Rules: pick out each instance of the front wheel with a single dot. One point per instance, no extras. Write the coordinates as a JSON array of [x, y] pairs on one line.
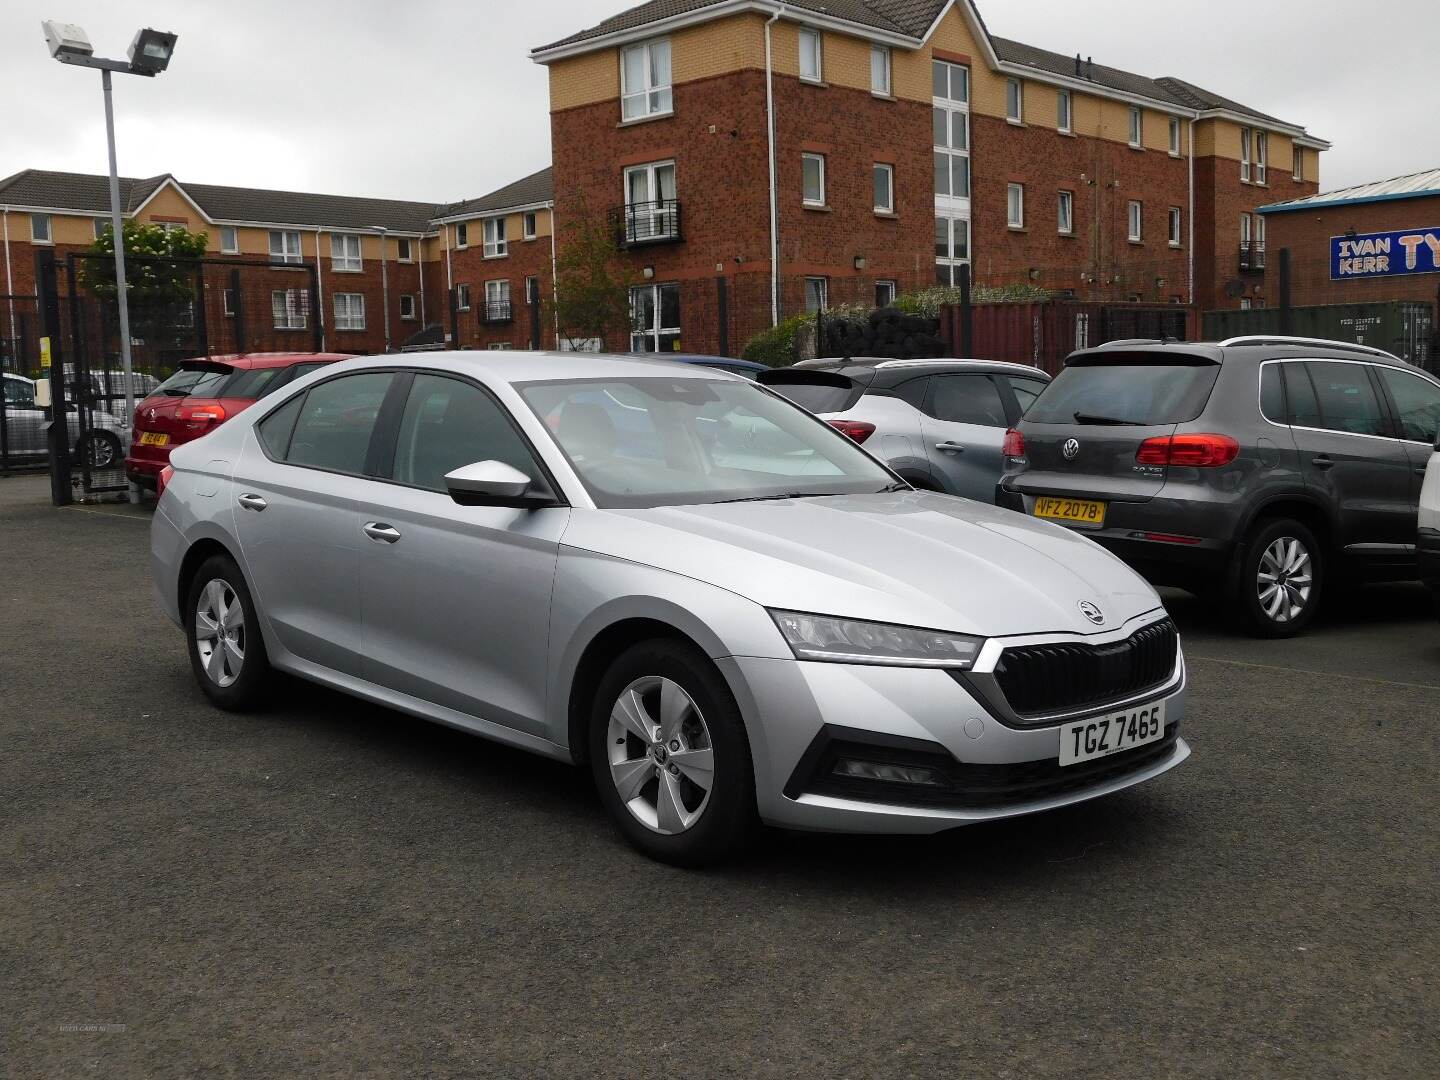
[[1279, 579], [99, 450], [670, 757]]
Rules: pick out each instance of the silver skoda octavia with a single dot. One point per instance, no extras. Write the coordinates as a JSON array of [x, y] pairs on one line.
[[722, 607]]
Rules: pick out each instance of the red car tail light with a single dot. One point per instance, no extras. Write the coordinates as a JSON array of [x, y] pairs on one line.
[[1199, 451], [201, 417], [859, 430], [162, 479], [1014, 445]]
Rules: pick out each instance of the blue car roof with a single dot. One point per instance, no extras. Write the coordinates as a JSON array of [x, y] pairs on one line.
[[698, 358]]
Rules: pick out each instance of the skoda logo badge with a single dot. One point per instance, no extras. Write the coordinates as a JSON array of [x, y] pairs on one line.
[[1071, 449], [1089, 610]]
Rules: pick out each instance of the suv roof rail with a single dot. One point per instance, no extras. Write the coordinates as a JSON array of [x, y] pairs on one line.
[[1326, 343], [951, 360]]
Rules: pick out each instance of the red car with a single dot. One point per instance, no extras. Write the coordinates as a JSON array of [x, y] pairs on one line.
[[202, 395]]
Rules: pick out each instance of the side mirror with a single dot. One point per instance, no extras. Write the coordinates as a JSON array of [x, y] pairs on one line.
[[493, 483]]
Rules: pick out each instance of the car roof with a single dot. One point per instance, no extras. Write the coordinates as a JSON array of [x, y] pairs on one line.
[[1254, 348], [879, 374], [269, 359], [702, 359], [523, 366]]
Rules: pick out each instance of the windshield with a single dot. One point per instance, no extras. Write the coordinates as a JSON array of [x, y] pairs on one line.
[[670, 442], [210, 382], [19, 392], [1142, 395]]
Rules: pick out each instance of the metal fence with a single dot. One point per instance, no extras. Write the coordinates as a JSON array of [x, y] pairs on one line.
[[22, 421]]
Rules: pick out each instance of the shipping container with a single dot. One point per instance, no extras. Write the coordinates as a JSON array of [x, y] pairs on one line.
[[1403, 327]]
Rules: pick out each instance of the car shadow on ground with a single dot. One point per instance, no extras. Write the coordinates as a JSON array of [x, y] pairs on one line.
[[1386, 603]]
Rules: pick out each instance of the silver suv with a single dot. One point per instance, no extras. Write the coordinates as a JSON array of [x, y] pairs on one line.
[[938, 423]]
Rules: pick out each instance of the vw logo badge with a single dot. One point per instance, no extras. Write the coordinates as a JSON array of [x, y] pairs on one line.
[[1071, 449], [1089, 610]]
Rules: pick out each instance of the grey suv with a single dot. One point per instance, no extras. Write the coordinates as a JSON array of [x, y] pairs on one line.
[[1257, 469], [938, 423]]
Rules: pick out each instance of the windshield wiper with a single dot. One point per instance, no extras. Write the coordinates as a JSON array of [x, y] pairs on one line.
[[782, 495], [898, 485], [1091, 418]]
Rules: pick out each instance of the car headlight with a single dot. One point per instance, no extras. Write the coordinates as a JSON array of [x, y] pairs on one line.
[[850, 641]]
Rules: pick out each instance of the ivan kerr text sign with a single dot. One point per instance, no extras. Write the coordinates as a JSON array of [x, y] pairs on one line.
[[1409, 251]]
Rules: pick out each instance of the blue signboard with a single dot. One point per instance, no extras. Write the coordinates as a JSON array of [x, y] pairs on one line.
[[1383, 254]]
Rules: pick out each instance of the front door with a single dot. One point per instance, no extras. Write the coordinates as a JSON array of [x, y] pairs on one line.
[[456, 599], [963, 428]]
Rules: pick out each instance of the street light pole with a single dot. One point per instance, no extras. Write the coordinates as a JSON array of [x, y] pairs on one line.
[[384, 285], [121, 287]]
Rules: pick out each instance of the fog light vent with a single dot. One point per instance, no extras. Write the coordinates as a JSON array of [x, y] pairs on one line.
[[894, 774]]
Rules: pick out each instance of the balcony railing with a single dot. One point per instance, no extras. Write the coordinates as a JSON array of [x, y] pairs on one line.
[[1252, 255], [646, 223], [495, 311]]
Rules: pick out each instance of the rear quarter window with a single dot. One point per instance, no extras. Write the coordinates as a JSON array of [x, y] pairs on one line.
[[1272, 394], [1143, 393]]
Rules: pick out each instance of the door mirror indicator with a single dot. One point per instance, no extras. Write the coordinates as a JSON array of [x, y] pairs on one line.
[[493, 483]]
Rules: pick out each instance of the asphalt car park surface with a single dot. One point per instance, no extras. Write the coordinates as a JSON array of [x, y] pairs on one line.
[[331, 889]]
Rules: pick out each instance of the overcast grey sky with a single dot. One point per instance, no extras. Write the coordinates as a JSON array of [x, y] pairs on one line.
[[437, 99]]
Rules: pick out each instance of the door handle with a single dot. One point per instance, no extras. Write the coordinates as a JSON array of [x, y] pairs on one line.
[[952, 447], [252, 502], [1322, 461], [378, 530]]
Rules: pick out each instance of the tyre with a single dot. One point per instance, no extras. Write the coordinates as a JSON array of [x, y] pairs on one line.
[[222, 630], [670, 757], [1279, 577], [99, 450]]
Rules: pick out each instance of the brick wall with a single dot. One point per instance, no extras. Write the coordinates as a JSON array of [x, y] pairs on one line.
[[524, 258]]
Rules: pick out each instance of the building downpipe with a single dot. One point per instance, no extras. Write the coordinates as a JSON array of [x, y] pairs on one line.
[[774, 194]]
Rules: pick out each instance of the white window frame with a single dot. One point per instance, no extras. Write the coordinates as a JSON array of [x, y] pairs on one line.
[[1262, 157], [349, 308], [497, 291], [1176, 224], [495, 246], [1014, 206], [1245, 137], [98, 226], [529, 227], [1135, 221], [653, 97], [822, 289], [1065, 213], [655, 330], [1260, 233], [1137, 128], [292, 312], [880, 71], [1064, 115], [1017, 114], [817, 50], [804, 195], [462, 235], [49, 237], [952, 68], [1244, 303], [888, 171], [281, 251], [949, 261], [950, 152], [500, 346], [233, 247], [663, 222], [536, 279], [344, 260], [405, 253], [408, 300], [1245, 225], [887, 286], [1297, 162], [462, 297], [227, 303], [1174, 136]]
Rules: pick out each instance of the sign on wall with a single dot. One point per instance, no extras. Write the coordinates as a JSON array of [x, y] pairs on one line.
[[1383, 254]]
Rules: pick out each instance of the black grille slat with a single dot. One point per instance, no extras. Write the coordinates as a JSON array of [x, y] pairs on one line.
[[1041, 679]]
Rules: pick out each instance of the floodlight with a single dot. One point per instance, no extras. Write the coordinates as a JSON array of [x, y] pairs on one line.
[[66, 39], [151, 50]]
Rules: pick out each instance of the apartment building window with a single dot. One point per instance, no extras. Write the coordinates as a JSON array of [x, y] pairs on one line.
[[290, 308], [1244, 230], [1082, 330], [880, 70], [951, 128], [655, 318], [1175, 224], [817, 294], [952, 248], [349, 311], [462, 297], [227, 303], [404, 252], [651, 212], [1297, 162], [1260, 237], [98, 226], [884, 176], [810, 59], [1136, 222], [494, 233], [645, 80], [1062, 112], [497, 301], [1244, 303], [884, 293], [1174, 137], [462, 235], [344, 252], [812, 169], [1245, 155], [229, 240], [1015, 206], [1066, 205], [527, 225], [500, 346], [950, 82], [532, 289], [407, 306], [1137, 128], [284, 248], [1262, 156], [1014, 101], [40, 229]]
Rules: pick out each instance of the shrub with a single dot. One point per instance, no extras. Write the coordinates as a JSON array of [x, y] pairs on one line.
[[775, 347], [928, 302]]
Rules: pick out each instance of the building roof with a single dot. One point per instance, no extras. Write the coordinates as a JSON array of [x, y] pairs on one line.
[[1415, 186], [1197, 97], [90, 194], [1015, 52]]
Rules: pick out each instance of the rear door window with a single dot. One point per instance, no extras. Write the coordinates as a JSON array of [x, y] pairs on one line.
[[1347, 400], [967, 399], [1148, 393], [336, 421]]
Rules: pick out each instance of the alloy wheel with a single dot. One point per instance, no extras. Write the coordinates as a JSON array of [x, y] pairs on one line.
[[1284, 579], [99, 452], [220, 632], [661, 759]]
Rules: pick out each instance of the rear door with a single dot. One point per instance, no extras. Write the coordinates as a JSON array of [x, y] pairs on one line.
[[963, 429], [1415, 405]]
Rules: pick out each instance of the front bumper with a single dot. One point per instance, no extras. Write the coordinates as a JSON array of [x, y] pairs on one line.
[[796, 706]]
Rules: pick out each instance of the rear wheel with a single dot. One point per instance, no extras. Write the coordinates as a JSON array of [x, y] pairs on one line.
[[670, 757], [227, 653], [1278, 578]]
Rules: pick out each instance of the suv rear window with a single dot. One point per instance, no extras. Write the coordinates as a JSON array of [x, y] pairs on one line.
[[814, 391], [1150, 393]]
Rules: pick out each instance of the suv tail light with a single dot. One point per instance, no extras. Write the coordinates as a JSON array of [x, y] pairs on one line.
[[1014, 445], [201, 417], [859, 430], [162, 479], [1203, 451]]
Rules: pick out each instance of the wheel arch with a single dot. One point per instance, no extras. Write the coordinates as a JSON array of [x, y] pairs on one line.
[[195, 555], [1300, 505]]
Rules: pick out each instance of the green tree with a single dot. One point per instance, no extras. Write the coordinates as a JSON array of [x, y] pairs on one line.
[[160, 277], [592, 283]]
